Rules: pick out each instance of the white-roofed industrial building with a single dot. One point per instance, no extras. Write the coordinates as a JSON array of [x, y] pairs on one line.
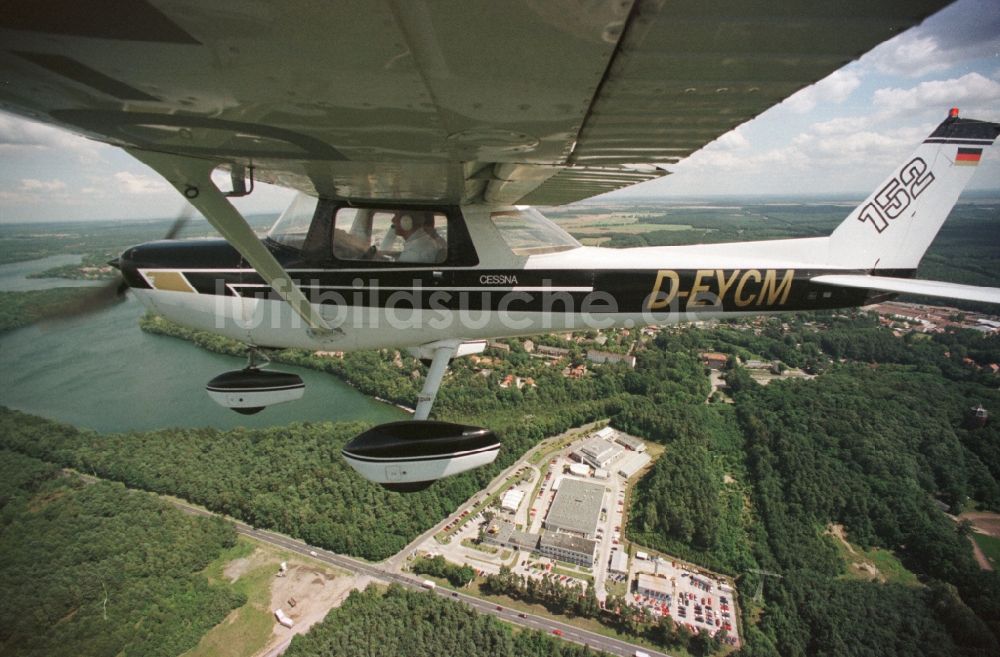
[[652, 586], [607, 433], [600, 453], [632, 463], [576, 508], [630, 442], [511, 500], [566, 547], [619, 562]]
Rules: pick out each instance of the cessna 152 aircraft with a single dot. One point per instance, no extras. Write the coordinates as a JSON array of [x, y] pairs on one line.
[[416, 132]]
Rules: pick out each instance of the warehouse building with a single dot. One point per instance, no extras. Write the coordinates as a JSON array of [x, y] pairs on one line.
[[576, 508], [503, 533], [607, 433], [619, 562], [569, 548], [600, 453], [632, 463], [511, 500], [652, 586], [630, 442]]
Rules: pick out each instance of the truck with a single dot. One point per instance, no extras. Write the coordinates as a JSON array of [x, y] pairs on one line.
[[283, 619], [639, 653], [429, 585]]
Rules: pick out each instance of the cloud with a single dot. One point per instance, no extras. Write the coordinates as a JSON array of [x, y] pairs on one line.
[[18, 135], [835, 88], [975, 94], [732, 140], [964, 31], [842, 126], [135, 183], [34, 185]]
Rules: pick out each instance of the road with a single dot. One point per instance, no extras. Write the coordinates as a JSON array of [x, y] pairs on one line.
[[387, 573], [376, 571]]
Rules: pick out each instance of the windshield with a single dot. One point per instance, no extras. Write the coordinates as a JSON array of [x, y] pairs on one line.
[[527, 232], [292, 226]]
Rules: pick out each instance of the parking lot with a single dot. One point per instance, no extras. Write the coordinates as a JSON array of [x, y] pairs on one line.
[[698, 600], [693, 598]]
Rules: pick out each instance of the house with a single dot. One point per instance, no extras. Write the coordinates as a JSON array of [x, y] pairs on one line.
[[595, 356], [714, 360], [555, 352]]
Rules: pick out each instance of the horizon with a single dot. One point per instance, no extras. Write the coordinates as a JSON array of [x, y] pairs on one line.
[[968, 196], [844, 133]]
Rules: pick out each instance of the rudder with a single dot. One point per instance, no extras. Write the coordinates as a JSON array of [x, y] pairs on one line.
[[894, 226]]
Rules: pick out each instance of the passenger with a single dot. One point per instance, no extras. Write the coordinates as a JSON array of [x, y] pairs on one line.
[[422, 244]]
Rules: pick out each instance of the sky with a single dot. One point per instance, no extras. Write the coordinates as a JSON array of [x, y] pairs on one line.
[[841, 136]]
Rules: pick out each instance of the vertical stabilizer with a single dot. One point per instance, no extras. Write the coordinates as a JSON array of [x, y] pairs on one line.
[[894, 226]]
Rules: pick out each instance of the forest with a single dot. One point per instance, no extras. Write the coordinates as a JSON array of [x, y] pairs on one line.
[[401, 623], [741, 486], [97, 241], [93, 569], [438, 566], [19, 309], [875, 443], [859, 446]]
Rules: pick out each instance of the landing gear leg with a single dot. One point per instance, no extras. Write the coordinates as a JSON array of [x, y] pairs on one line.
[[256, 359], [435, 373]]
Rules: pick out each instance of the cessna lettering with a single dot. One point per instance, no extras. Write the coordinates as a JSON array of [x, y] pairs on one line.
[[497, 279], [710, 287]]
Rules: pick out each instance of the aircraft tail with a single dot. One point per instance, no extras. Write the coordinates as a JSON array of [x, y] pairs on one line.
[[893, 227]]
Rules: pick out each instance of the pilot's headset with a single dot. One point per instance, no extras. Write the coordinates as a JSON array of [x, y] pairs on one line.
[[412, 220], [406, 222]]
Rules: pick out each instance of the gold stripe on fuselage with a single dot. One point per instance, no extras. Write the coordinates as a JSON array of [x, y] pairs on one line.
[[169, 281]]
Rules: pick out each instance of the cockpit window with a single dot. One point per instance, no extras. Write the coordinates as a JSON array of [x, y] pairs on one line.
[[404, 236], [292, 227], [527, 232]]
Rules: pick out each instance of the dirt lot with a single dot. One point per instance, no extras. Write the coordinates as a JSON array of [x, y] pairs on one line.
[[315, 592], [984, 522], [314, 589]]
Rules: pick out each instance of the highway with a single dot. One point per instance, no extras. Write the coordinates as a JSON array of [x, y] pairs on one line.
[[376, 571]]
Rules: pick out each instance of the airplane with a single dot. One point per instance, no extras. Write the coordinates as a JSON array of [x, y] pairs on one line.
[[419, 135]]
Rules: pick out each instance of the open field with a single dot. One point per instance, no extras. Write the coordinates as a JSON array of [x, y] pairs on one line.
[[990, 547], [874, 564], [251, 568]]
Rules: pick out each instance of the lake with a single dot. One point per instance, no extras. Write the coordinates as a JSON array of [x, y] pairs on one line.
[[104, 373], [14, 275]]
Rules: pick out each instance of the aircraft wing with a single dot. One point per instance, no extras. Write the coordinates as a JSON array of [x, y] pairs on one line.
[[536, 101], [912, 286]]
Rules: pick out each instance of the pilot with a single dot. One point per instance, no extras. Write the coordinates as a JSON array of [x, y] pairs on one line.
[[422, 243]]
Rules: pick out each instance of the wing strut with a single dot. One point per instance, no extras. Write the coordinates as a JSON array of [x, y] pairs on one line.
[[193, 178]]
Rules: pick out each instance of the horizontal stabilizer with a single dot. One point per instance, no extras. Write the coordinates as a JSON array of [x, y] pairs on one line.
[[912, 286]]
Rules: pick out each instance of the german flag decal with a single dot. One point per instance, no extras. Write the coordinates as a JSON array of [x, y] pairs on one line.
[[968, 156]]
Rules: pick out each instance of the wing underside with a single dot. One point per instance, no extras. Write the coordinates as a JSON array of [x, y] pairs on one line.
[[912, 286], [534, 101]]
